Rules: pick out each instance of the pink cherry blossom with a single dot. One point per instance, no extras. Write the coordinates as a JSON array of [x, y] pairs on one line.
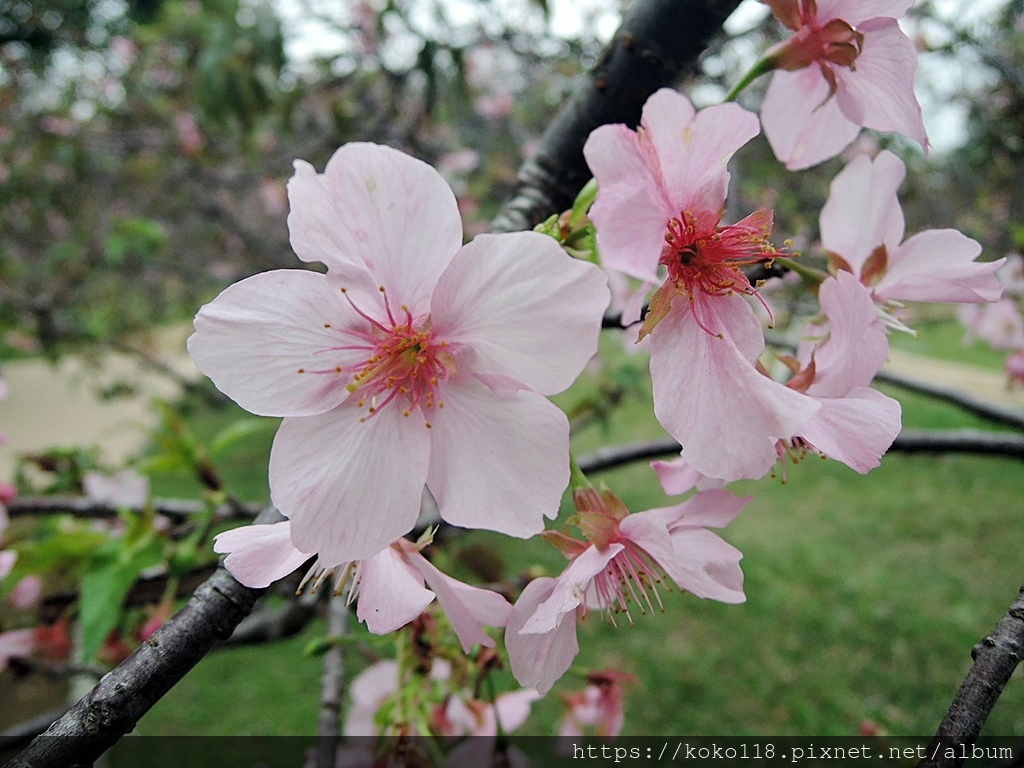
[[847, 66], [1015, 368], [125, 488], [618, 571], [16, 644], [414, 361], [26, 593], [661, 194], [389, 586], [1000, 325], [855, 424], [372, 688], [862, 230], [598, 706]]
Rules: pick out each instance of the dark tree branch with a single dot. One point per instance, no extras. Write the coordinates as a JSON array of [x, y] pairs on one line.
[[269, 624], [179, 510], [959, 441], [24, 732], [908, 441], [998, 414], [995, 659], [658, 43]]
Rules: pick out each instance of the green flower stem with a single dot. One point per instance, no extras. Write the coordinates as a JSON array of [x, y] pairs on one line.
[[577, 479], [761, 66], [812, 277]]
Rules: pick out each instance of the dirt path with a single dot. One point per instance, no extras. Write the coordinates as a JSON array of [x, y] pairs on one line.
[[49, 406]]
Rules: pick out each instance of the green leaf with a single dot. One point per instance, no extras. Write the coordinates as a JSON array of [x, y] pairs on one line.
[[240, 431], [108, 577]]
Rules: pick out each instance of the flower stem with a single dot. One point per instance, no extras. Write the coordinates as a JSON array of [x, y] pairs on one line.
[[577, 479], [761, 66], [812, 277]]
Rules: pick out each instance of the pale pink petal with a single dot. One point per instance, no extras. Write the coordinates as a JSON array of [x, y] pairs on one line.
[[692, 557], [857, 345], [862, 210], [7, 559], [1000, 324], [631, 211], [627, 301], [710, 566], [856, 430], [537, 661], [350, 487], [17, 644], [26, 593], [709, 396], [879, 92], [499, 463], [853, 12], [803, 125], [125, 488], [693, 148], [713, 508], [521, 307], [368, 690], [254, 338], [568, 591], [468, 608], [513, 708], [391, 592], [377, 207], [1015, 367], [258, 555], [938, 265], [678, 476]]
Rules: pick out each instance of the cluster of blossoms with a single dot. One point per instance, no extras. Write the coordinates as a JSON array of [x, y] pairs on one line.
[[1001, 324], [417, 365]]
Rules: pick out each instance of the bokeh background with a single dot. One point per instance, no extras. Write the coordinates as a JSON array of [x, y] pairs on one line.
[[144, 152]]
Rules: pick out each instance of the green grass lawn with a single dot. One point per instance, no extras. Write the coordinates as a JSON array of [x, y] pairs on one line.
[[864, 598]]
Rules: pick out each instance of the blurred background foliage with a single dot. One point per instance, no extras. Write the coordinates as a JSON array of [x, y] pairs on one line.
[[144, 151], [145, 146]]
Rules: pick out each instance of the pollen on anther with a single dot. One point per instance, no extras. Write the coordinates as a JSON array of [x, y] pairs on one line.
[[426, 424], [327, 325], [302, 370]]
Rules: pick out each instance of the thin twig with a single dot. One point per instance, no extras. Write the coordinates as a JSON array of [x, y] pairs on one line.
[[179, 510], [995, 659]]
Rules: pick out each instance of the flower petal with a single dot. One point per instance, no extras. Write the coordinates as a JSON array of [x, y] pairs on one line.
[[499, 463], [856, 430], [378, 208], [879, 92], [862, 211], [802, 123], [467, 608], [632, 209], [694, 148], [258, 555], [708, 395], [938, 265], [350, 487], [19, 643], [391, 592], [254, 338], [690, 556], [714, 508], [522, 308], [857, 345], [709, 566], [537, 661], [568, 591], [854, 12], [678, 476]]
